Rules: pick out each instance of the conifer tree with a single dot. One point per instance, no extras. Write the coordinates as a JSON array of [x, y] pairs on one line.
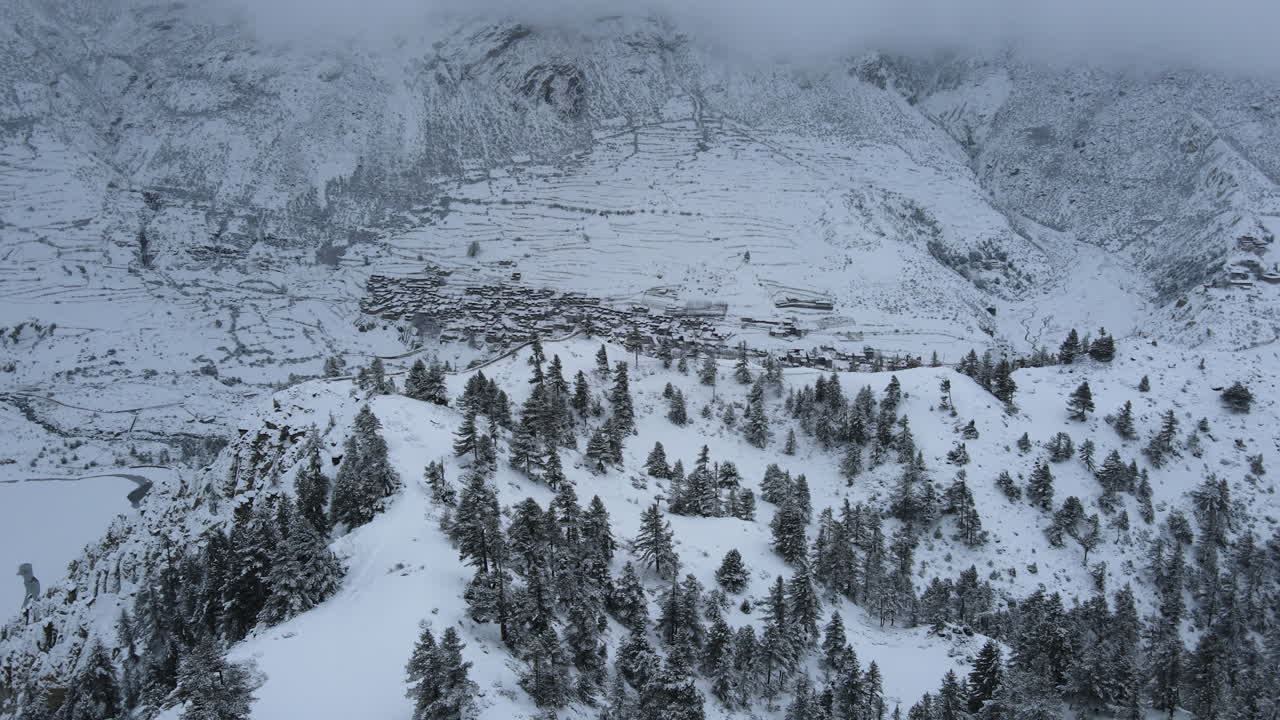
[[707, 372], [416, 380], [442, 491], [1237, 398], [1005, 483], [656, 464], [624, 416], [892, 394], [1040, 487], [803, 605], [1144, 385], [745, 508], [212, 687], [422, 671], [95, 692], [732, 574], [1024, 443], [741, 372], [1070, 348], [755, 425], [1080, 403], [465, 438], [851, 463], [789, 448], [986, 676], [1103, 349], [653, 543], [834, 643], [602, 362], [311, 486], [581, 401], [552, 469], [676, 412], [438, 677], [598, 452], [304, 573], [254, 540], [788, 526], [628, 601], [1162, 442], [1123, 422], [633, 341], [1086, 455]]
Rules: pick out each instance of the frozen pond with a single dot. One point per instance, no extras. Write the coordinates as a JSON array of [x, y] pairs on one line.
[[48, 521]]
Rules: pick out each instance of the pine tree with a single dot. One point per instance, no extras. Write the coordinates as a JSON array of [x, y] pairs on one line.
[[1024, 443], [552, 469], [628, 601], [1086, 456], [1081, 402], [433, 388], [254, 540], [598, 451], [443, 691], [212, 687], [745, 508], [1061, 448], [834, 644], [1123, 422], [656, 464], [653, 543], [304, 573], [1237, 398], [1005, 483], [624, 415], [788, 526], [803, 605], [416, 380], [732, 574], [423, 671], [851, 464], [707, 372], [1103, 349], [671, 694], [676, 411], [95, 692], [602, 362], [1144, 385], [333, 366], [442, 490], [986, 677], [1070, 348], [1162, 442], [465, 438], [892, 394], [952, 700], [789, 448], [755, 425], [581, 402], [311, 486], [633, 342], [1040, 487]]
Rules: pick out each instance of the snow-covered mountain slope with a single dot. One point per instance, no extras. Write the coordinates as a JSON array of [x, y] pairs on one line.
[[191, 213], [348, 653]]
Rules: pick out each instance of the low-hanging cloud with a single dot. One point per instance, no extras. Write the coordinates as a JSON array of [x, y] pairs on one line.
[[1225, 35]]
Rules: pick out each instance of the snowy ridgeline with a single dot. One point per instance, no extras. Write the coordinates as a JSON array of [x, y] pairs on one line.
[[1146, 581]]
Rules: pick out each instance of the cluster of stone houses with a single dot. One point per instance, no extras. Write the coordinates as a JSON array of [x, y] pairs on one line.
[[506, 314]]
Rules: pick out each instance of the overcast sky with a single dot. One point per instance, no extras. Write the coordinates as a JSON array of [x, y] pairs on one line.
[[1234, 35]]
